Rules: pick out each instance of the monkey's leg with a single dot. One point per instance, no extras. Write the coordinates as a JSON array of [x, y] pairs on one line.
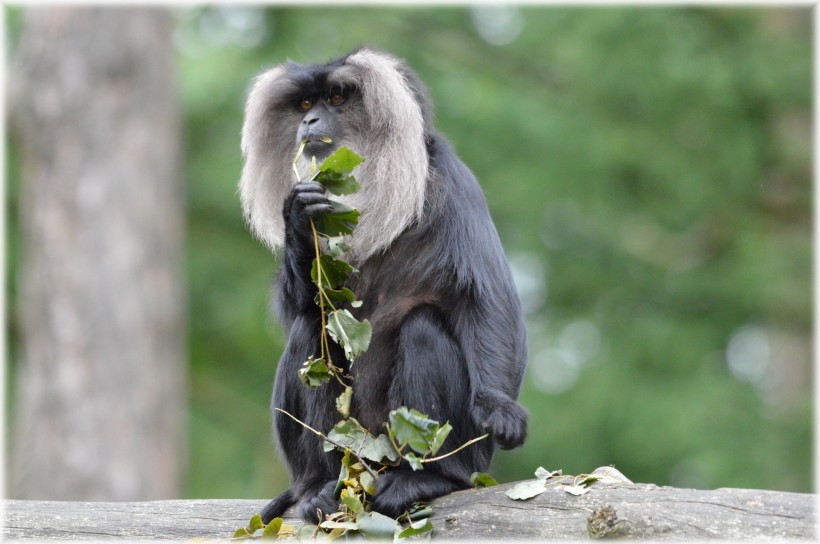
[[313, 472], [277, 507], [317, 500], [429, 375]]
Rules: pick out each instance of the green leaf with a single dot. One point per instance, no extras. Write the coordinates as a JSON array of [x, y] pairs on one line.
[[339, 296], [348, 433], [350, 333], [242, 534], [542, 474], [440, 437], [417, 528], [344, 471], [351, 434], [353, 503], [342, 219], [419, 510], [338, 183], [368, 483], [343, 160], [380, 450], [314, 372], [307, 532], [343, 401], [334, 271], [589, 480], [482, 479], [255, 523], [375, 525], [337, 246], [576, 490], [272, 529], [526, 490], [349, 525], [414, 461], [412, 428]]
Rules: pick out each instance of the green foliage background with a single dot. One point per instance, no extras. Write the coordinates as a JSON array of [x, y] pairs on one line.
[[649, 171]]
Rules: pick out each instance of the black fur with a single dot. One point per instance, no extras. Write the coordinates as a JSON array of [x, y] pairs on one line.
[[448, 340]]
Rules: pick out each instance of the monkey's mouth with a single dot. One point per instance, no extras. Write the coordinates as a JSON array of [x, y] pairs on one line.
[[318, 138], [318, 146]]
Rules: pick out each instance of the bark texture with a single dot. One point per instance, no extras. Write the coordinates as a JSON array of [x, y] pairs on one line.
[[632, 511], [101, 379]]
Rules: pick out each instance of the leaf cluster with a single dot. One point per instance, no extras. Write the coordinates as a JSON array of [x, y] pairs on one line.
[[329, 273], [544, 479], [357, 480], [257, 529], [350, 434], [424, 436]]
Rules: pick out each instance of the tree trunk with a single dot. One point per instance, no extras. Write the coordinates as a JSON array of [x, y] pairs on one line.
[[101, 383]]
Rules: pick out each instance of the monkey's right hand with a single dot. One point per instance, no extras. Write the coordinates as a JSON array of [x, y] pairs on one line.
[[306, 200], [296, 290]]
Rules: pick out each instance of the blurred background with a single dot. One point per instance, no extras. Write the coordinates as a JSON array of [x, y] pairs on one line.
[[648, 169]]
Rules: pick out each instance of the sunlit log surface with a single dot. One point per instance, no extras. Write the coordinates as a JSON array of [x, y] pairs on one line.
[[642, 511]]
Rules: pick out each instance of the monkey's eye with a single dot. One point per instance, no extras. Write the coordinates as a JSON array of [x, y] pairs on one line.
[[305, 104], [336, 97]]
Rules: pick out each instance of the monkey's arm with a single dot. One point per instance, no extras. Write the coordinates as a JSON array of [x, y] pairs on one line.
[[295, 294], [313, 472], [501, 416], [487, 313], [494, 344]]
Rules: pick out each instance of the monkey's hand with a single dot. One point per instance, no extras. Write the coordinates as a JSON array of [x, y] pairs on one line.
[[306, 200], [296, 292], [503, 418]]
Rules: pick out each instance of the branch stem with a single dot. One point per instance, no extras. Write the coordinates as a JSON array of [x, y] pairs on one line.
[[325, 344], [458, 449], [324, 436]]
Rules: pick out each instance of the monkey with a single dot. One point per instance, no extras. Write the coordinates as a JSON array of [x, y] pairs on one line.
[[448, 333]]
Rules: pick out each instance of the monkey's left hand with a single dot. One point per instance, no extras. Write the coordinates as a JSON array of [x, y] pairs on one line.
[[503, 418]]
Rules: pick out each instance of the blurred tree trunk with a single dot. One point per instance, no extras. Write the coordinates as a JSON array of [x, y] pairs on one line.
[[100, 397]]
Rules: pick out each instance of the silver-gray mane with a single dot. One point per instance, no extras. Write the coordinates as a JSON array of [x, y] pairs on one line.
[[392, 178]]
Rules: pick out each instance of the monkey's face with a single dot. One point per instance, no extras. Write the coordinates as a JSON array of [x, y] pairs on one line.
[[326, 118], [322, 108], [368, 101]]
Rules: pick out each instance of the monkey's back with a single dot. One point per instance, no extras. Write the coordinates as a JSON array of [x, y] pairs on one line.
[[453, 261]]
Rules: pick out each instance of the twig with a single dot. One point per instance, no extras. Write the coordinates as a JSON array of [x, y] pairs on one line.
[[432, 459], [346, 448], [458, 449]]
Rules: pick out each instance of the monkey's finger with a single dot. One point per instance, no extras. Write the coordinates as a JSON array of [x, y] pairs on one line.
[[303, 201], [316, 209], [309, 198], [309, 187]]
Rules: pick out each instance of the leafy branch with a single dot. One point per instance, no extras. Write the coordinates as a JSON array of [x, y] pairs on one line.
[[257, 529], [326, 438], [329, 274], [410, 428]]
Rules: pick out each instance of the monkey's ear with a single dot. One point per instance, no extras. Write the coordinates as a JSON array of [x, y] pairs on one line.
[[267, 141]]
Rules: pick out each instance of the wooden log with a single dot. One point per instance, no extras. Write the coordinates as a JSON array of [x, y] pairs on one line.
[[639, 511]]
